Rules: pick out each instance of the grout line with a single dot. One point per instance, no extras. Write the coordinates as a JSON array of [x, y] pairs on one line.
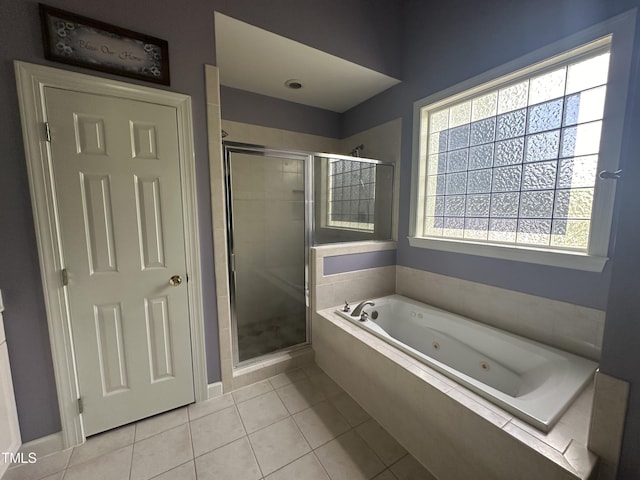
[[244, 427], [251, 398], [321, 464], [66, 464], [63, 472], [255, 457], [280, 398], [265, 381], [135, 430], [364, 440], [133, 446], [172, 468], [327, 399], [293, 420], [151, 436], [398, 461], [193, 451], [224, 444]]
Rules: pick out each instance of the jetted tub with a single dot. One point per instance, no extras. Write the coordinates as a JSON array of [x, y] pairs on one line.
[[534, 382]]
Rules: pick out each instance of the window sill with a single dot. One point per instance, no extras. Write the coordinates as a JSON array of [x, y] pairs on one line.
[[554, 258]]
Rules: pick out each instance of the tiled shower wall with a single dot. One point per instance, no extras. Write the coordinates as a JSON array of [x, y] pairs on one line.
[[381, 142], [257, 135]]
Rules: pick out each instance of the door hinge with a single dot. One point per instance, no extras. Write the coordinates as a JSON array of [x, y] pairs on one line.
[[233, 262], [80, 406], [65, 277], [47, 132]]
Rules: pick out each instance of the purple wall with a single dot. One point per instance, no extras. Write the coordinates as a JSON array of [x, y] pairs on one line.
[[446, 45], [620, 353], [440, 47], [347, 28], [358, 261], [438, 53], [248, 107]]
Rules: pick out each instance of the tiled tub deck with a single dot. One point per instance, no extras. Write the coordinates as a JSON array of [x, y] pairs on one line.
[[453, 432]]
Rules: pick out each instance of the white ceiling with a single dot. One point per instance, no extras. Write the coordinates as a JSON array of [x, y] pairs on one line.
[[250, 58]]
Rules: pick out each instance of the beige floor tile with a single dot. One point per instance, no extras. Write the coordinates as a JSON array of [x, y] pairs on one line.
[[44, 466], [408, 468], [312, 369], [284, 426], [55, 476], [350, 409], [216, 430], [300, 395], [233, 461], [252, 391], [307, 468], [349, 458], [386, 475], [385, 446], [200, 409], [278, 445], [186, 471], [114, 465], [321, 423], [161, 453], [287, 378], [160, 423], [326, 384], [262, 411], [103, 443]]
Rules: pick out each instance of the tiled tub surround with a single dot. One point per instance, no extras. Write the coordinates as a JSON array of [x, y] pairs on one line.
[[297, 425], [569, 327], [607, 423], [330, 290], [453, 432], [534, 382]]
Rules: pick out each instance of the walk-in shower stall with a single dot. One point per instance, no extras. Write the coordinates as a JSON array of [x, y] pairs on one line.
[[278, 204]]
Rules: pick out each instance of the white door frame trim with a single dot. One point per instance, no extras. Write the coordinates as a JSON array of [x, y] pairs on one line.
[[31, 81]]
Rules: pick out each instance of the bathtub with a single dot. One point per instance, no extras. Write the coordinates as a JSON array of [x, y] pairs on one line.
[[532, 381]]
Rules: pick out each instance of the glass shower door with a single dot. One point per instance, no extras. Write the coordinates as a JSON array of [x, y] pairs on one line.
[[268, 245]]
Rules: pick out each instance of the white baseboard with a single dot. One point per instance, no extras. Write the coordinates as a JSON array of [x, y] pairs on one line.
[[214, 390], [44, 446]]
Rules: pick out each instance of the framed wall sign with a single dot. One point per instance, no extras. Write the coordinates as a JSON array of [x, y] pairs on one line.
[[84, 42]]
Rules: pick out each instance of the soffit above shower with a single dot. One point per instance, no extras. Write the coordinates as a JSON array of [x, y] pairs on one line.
[[250, 58]]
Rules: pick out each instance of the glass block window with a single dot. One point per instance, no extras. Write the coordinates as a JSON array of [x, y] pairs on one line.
[[516, 163], [352, 194]]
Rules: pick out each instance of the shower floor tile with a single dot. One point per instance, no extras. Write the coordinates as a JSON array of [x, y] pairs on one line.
[[267, 336]]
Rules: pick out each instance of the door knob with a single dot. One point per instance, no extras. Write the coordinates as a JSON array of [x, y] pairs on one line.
[[175, 281]]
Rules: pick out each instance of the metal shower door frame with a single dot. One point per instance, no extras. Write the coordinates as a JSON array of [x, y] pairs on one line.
[[262, 151]]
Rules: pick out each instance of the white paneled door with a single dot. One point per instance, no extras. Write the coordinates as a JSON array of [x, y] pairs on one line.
[[117, 180]]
